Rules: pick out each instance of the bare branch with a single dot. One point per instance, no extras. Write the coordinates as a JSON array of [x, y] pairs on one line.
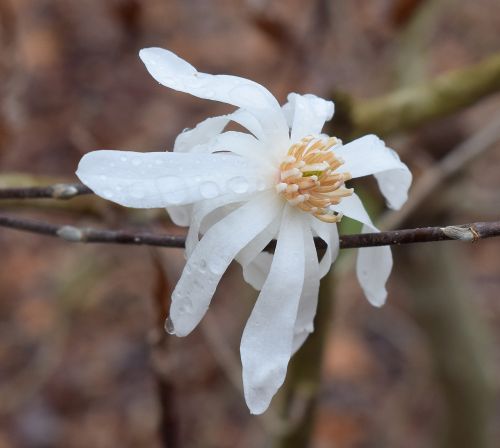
[[57, 191], [465, 232]]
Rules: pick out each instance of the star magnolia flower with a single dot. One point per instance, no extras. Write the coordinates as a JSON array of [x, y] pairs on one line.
[[283, 179]]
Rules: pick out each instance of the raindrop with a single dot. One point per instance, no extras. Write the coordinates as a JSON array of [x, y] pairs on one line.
[[136, 162], [238, 184], [123, 159], [209, 190], [169, 326], [217, 266]]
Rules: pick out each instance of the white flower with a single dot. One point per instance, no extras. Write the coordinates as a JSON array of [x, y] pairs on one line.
[[283, 180]]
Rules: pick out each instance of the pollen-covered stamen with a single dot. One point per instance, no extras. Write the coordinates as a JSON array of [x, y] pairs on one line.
[[308, 177]]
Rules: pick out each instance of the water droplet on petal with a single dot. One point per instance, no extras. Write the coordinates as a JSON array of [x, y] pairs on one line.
[[209, 190], [169, 326], [216, 266], [238, 184], [136, 162], [123, 159], [107, 194]]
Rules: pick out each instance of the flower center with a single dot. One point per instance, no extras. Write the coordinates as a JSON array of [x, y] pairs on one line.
[[307, 178]]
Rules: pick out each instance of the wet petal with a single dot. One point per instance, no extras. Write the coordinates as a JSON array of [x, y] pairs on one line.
[[201, 134], [330, 235], [211, 257], [266, 344], [369, 155], [304, 325], [307, 114], [159, 179], [171, 71], [374, 264], [200, 211]]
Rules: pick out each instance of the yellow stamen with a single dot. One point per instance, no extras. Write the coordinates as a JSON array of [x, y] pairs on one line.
[[307, 178]]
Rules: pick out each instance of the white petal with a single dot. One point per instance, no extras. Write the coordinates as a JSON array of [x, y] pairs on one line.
[[200, 212], [245, 145], [373, 267], [159, 179], [369, 155], [374, 264], [255, 263], [304, 325], [307, 114], [171, 71], [201, 134], [266, 344], [180, 214], [330, 235], [211, 257]]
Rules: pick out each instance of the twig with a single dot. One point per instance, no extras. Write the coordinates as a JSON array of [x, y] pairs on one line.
[[57, 191], [463, 232]]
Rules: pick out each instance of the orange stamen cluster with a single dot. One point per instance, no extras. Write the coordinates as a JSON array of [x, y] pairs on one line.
[[307, 178]]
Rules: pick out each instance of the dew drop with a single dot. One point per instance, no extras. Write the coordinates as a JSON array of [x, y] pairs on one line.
[[123, 159], [238, 184], [209, 190], [217, 266], [136, 162], [102, 177], [108, 194], [169, 326]]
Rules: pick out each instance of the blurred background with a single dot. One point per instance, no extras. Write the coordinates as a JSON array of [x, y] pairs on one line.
[[83, 358]]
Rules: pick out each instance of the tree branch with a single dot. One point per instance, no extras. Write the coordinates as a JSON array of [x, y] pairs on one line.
[[412, 106], [57, 191], [464, 232]]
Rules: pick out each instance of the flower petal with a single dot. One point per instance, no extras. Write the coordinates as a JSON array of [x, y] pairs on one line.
[[266, 344], [200, 211], [369, 155], [255, 263], [213, 254], [159, 179], [307, 114], [171, 71], [304, 325], [201, 134], [374, 264], [330, 235], [180, 214]]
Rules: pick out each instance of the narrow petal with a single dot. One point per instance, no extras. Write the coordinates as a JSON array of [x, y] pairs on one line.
[[245, 145], [266, 344], [330, 235], [211, 257], [200, 211], [374, 264], [369, 155], [160, 179], [307, 114], [201, 134], [180, 214], [304, 325], [255, 263], [171, 71]]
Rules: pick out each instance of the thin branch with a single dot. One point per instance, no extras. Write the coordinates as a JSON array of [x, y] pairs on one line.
[[464, 232], [57, 191]]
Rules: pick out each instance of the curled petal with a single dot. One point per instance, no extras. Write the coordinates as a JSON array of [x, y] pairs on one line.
[[171, 71], [330, 235], [374, 264], [160, 179], [200, 211], [369, 155], [304, 325], [211, 257], [266, 344], [201, 134], [307, 114]]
